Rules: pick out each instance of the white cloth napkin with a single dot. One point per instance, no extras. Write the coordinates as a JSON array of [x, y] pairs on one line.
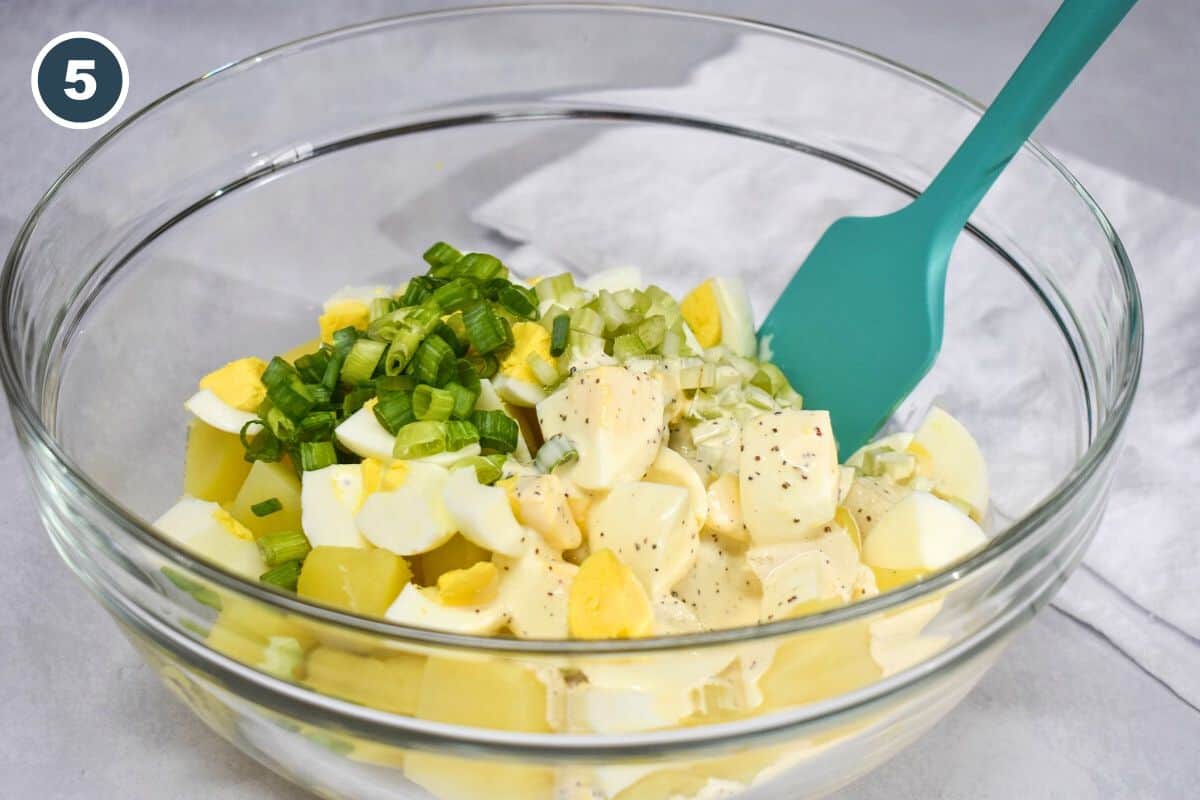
[[1137, 585]]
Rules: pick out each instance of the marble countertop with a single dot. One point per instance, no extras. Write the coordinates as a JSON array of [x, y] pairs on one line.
[[1064, 713]]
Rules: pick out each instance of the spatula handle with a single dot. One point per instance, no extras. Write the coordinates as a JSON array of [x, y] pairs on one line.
[[1074, 34]]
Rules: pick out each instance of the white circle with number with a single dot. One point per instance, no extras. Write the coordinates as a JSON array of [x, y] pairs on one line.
[[79, 80]]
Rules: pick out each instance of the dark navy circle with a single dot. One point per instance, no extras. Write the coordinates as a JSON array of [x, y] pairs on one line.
[[80, 80]]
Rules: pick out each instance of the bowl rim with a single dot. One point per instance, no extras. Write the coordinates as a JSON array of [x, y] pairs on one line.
[[1106, 434]]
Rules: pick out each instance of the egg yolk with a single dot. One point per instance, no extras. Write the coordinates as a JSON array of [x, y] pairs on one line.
[[606, 600], [235, 528], [380, 477], [703, 314], [238, 383], [528, 338], [343, 314], [473, 586]]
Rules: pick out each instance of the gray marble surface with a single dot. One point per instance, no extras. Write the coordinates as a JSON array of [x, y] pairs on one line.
[[1064, 714]]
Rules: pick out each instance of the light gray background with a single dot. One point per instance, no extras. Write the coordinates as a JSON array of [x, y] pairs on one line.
[[1063, 715]]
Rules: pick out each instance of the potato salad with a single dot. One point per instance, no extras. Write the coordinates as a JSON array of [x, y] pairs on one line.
[[549, 459]]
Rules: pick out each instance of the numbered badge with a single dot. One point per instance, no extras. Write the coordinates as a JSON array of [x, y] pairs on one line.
[[79, 80]]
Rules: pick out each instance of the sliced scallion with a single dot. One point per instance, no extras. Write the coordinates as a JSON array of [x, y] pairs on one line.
[[480, 266], [434, 361], [317, 455], [459, 434], [263, 445], [276, 548], [390, 384], [485, 365], [283, 576], [420, 439], [381, 307], [456, 295], [419, 290], [519, 301], [429, 402], [487, 471], [467, 377], [497, 430], [464, 398], [355, 398], [311, 367], [441, 253], [317, 426], [485, 330], [286, 389], [394, 411], [266, 507], [558, 335], [361, 361], [556, 451], [450, 336]]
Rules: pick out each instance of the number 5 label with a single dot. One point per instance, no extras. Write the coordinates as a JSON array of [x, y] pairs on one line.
[[79, 80]]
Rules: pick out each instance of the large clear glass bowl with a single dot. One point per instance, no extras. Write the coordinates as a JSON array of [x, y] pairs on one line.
[[213, 222]]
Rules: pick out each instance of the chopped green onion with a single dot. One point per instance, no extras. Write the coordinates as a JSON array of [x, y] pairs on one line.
[[284, 576], [264, 446], [317, 455], [355, 398], [286, 389], [497, 430], [361, 361], [487, 471], [317, 426], [440, 254], [419, 290], [586, 320], [277, 548], [450, 336], [545, 372], [480, 266], [558, 334], [627, 346], [468, 378], [432, 403], [420, 439], [557, 450], [434, 361], [394, 411], [343, 341], [390, 384], [456, 295], [311, 367], [283, 428], [554, 286], [519, 301], [266, 507], [381, 307], [464, 398], [485, 330], [459, 434], [485, 365], [652, 331], [322, 396]]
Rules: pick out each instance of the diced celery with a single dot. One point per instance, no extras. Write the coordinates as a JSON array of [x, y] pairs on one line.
[[585, 320]]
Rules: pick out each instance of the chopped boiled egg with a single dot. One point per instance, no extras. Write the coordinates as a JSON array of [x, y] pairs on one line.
[[211, 409], [483, 514], [210, 531], [718, 312], [343, 314], [672, 469], [870, 498], [329, 499], [720, 589], [533, 590], [410, 518], [473, 586], [382, 476], [802, 584], [956, 464], [238, 383], [651, 528], [607, 601], [422, 608], [515, 381], [673, 616], [541, 502], [789, 475], [725, 508], [614, 418], [921, 532], [362, 434]]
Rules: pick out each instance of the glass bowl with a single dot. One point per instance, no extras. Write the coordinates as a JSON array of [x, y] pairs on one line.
[[211, 223]]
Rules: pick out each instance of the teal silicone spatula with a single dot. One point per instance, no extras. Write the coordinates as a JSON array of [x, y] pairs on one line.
[[861, 322]]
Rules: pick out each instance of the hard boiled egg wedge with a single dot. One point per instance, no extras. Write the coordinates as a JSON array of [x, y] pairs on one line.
[[672, 469], [718, 312], [483, 514], [412, 517], [720, 588], [213, 411], [361, 434], [533, 591], [329, 499], [422, 608], [955, 462], [614, 418], [515, 381], [789, 475], [651, 528], [921, 532], [210, 531], [542, 504]]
